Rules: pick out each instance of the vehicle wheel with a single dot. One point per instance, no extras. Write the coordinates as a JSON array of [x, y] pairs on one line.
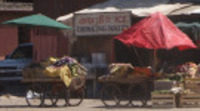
[[75, 98], [34, 96], [137, 95], [110, 95]]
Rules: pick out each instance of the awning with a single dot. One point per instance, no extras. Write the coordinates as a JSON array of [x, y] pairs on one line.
[[188, 25], [191, 29], [37, 20], [139, 8]]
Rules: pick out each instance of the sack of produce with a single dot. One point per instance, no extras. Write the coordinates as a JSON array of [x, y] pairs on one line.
[[65, 75], [74, 66], [51, 71], [67, 68], [48, 61], [120, 69]]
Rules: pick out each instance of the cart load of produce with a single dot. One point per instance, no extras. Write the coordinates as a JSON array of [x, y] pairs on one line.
[[125, 71], [65, 68]]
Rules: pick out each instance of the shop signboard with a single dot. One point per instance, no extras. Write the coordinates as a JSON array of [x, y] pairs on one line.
[[103, 23]]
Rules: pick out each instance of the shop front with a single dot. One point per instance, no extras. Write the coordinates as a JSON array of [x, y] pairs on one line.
[[94, 33], [93, 42]]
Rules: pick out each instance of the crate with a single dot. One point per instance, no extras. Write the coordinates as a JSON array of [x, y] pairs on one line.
[[189, 100], [162, 85], [163, 100], [192, 84]]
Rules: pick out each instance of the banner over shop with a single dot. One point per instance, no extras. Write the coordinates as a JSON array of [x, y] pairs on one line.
[[107, 23]]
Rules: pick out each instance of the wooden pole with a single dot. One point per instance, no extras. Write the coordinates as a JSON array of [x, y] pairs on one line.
[[138, 56], [155, 61]]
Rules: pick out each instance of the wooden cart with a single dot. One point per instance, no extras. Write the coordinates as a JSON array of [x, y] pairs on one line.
[[47, 91], [125, 91]]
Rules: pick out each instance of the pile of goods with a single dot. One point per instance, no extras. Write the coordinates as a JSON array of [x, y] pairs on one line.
[[123, 72], [189, 69], [65, 68], [184, 80], [189, 72], [183, 85], [35, 70]]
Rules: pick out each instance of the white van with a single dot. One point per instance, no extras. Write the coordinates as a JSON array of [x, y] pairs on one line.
[[11, 67]]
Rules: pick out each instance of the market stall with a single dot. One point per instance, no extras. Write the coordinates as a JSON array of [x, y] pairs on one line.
[[155, 32]]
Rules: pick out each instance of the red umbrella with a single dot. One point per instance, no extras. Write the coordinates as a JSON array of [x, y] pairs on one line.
[[155, 32]]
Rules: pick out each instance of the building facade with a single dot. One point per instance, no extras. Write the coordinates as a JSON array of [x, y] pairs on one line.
[[11, 9]]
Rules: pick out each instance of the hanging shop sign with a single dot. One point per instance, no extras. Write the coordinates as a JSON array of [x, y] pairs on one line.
[[107, 23]]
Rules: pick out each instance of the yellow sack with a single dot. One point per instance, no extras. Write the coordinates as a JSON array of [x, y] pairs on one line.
[[49, 61], [65, 75], [53, 59], [51, 71], [63, 72]]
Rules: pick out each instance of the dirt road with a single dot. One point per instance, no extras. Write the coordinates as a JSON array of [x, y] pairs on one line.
[[14, 103]]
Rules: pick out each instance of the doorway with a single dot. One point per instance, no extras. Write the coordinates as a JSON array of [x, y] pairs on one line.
[[24, 35]]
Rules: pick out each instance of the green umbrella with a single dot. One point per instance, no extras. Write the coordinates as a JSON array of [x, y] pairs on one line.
[[37, 20]]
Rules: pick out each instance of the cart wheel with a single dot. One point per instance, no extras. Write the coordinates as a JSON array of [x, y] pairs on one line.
[[124, 97], [47, 98], [59, 96], [137, 95], [75, 98], [33, 96], [110, 95]]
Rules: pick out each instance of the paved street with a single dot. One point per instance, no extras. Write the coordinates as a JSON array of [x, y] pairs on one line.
[[14, 103]]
